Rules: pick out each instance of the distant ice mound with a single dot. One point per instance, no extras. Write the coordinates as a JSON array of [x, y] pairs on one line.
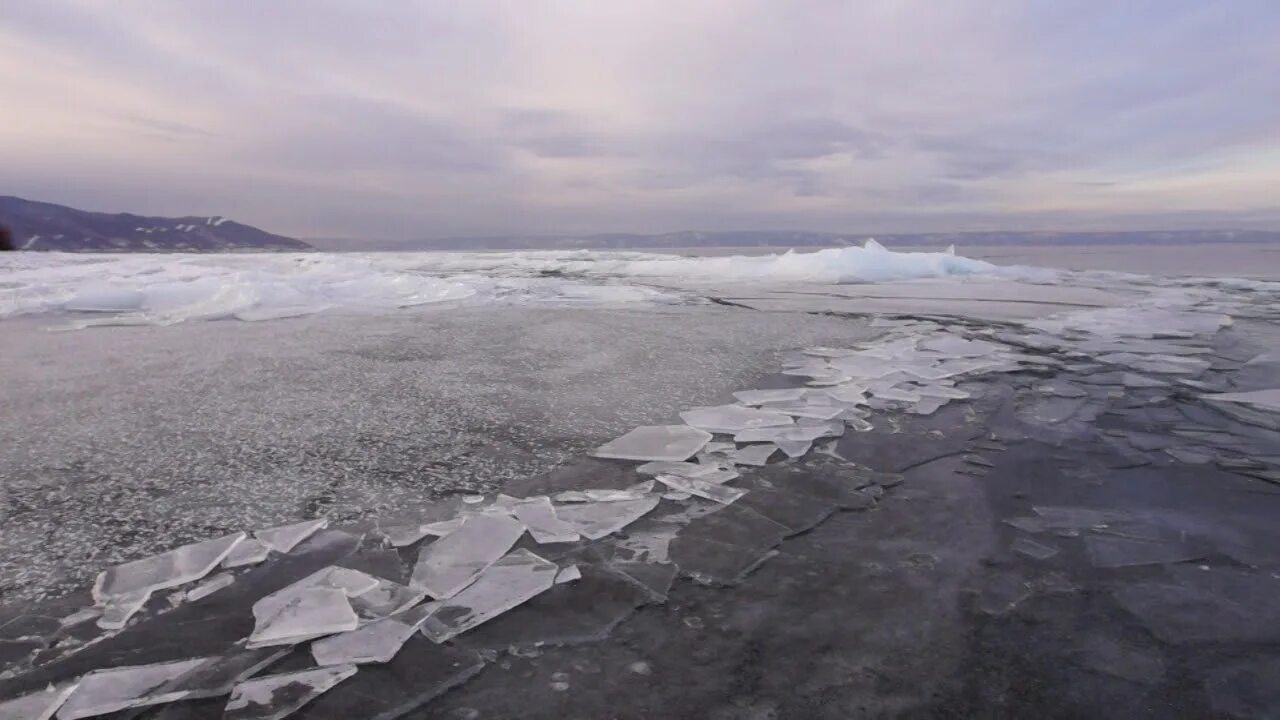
[[870, 263], [165, 289]]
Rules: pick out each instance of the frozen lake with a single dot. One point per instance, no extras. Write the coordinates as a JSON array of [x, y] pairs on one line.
[[1020, 427]]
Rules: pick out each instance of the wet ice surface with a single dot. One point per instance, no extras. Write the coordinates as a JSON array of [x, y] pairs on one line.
[[1114, 489]]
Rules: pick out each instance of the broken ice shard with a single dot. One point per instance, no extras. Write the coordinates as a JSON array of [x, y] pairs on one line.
[[755, 454], [210, 586], [247, 552], [158, 572], [388, 598], [1264, 399], [794, 448], [118, 610], [732, 418], [375, 642], [568, 574], [759, 397], [539, 516], [273, 697], [451, 563], [286, 537], [596, 520], [719, 493], [38, 705], [106, 691], [313, 612], [686, 469], [655, 442], [1033, 549], [1114, 551], [635, 492], [512, 580]]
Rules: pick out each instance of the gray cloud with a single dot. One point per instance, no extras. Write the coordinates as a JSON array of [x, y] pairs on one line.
[[459, 117]]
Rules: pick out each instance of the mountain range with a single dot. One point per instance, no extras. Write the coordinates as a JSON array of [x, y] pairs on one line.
[[45, 226]]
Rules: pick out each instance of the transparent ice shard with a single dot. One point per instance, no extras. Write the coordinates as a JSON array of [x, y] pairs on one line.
[[760, 397], [247, 552], [719, 447], [38, 705], [958, 347], [635, 492], [273, 697], [158, 572], [539, 516], [1264, 399], [686, 469], [388, 598], [719, 493], [794, 448], [792, 433], [895, 393], [106, 691], [942, 391], [118, 610], [1114, 551], [829, 380], [313, 612], [453, 562], [1133, 380], [512, 580], [286, 537], [598, 519], [755, 454], [817, 411], [928, 405], [442, 527], [375, 642], [210, 586], [568, 574], [655, 442], [1033, 549], [732, 418], [850, 393]]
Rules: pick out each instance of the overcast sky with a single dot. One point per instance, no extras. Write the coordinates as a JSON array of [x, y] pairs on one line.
[[424, 119]]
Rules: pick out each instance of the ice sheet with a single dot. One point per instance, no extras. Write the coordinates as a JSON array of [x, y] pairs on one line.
[[451, 563], [247, 552], [732, 418], [273, 697], [286, 537], [693, 486], [117, 610], [312, 612], [376, 642], [655, 442], [38, 705], [210, 586], [539, 516], [755, 454], [1264, 399], [598, 519], [105, 691], [514, 579], [178, 566]]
